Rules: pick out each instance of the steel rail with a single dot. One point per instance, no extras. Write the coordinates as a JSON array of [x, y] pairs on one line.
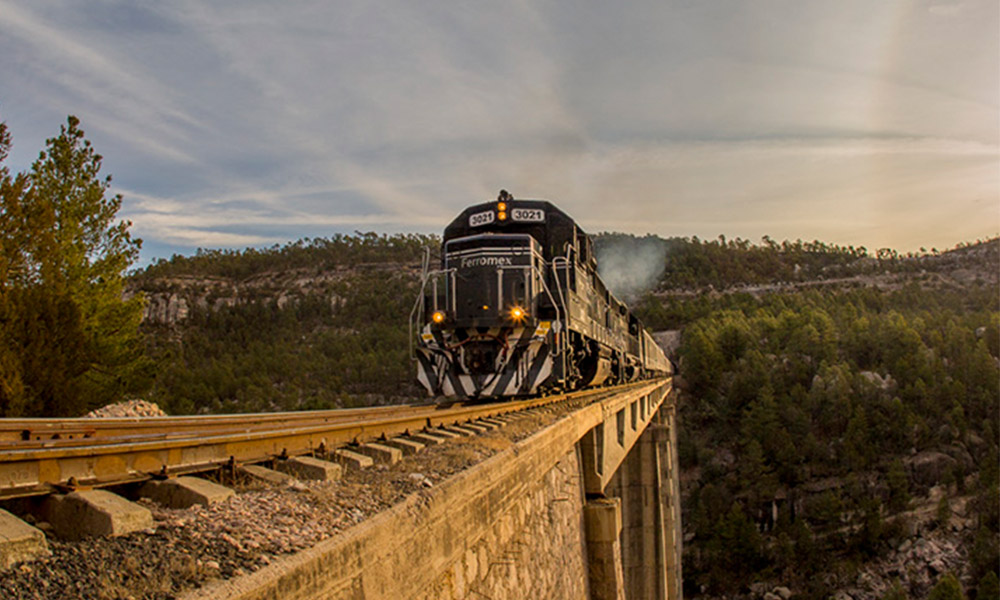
[[29, 471], [44, 430]]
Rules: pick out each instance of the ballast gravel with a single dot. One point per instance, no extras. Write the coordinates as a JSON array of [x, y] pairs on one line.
[[190, 547]]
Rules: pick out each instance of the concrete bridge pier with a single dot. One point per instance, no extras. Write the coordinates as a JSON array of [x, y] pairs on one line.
[[603, 527], [645, 493]]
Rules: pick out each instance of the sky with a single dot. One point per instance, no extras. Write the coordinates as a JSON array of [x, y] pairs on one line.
[[245, 123]]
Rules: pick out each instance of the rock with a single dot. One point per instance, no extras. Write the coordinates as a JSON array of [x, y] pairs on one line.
[[723, 458], [669, 341], [842, 595], [783, 592], [771, 596], [297, 486], [883, 383], [945, 432], [928, 468], [421, 479], [974, 441], [867, 581], [129, 408], [962, 456], [905, 546], [166, 309]]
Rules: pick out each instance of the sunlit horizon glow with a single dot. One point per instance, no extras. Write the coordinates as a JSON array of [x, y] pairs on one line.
[[251, 124]]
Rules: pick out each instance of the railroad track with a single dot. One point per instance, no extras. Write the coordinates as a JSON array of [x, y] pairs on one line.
[[43, 456]]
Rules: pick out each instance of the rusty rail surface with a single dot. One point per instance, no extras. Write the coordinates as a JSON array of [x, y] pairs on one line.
[[44, 431], [117, 451]]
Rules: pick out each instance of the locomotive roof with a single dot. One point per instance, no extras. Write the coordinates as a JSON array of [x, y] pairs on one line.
[[554, 219]]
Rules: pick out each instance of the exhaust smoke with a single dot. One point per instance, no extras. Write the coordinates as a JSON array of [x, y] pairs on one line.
[[629, 265]]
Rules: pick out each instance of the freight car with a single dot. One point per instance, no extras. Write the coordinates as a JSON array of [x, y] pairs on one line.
[[517, 308]]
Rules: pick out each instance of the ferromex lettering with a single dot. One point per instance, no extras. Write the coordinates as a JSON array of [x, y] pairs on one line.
[[487, 261]]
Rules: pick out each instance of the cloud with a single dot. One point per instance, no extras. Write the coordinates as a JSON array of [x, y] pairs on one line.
[[116, 92], [852, 122], [946, 9]]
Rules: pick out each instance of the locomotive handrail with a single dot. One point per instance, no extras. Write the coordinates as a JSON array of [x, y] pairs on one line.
[[564, 339], [418, 307], [416, 311], [562, 296]]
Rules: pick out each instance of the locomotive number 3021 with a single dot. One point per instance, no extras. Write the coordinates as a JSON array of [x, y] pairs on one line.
[[482, 218], [528, 214]]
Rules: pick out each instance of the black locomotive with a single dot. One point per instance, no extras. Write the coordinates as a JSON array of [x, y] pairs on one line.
[[517, 307]]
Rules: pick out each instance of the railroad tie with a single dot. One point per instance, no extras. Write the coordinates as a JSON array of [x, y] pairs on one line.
[[406, 446], [426, 438], [381, 453], [94, 513], [477, 427], [461, 430], [352, 459], [19, 541], [443, 432], [184, 492], [485, 424], [264, 474], [307, 467]]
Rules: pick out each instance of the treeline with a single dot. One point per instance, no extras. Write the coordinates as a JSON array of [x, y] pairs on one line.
[[315, 254], [838, 386], [684, 263], [693, 263], [722, 263]]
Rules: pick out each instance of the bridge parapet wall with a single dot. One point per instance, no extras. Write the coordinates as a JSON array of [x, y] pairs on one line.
[[509, 527], [535, 550]]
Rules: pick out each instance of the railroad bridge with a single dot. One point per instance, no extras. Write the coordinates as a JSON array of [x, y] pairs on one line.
[[586, 507]]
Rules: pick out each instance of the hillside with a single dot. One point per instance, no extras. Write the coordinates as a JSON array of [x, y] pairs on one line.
[[838, 434], [314, 324], [839, 410]]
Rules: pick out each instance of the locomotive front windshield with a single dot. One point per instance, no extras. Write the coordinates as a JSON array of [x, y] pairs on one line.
[[494, 275]]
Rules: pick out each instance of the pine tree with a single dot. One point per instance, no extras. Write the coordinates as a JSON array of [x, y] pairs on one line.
[[989, 587], [947, 588], [65, 254], [12, 192], [895, 592], [899, 493]]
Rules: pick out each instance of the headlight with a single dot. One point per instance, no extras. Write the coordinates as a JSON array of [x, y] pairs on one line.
[[517, 314], [438, 316]]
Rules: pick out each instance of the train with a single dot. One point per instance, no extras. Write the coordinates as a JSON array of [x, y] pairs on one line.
[[516, 308]]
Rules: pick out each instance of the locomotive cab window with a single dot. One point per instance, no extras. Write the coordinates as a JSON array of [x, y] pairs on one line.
[[583, 247]]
